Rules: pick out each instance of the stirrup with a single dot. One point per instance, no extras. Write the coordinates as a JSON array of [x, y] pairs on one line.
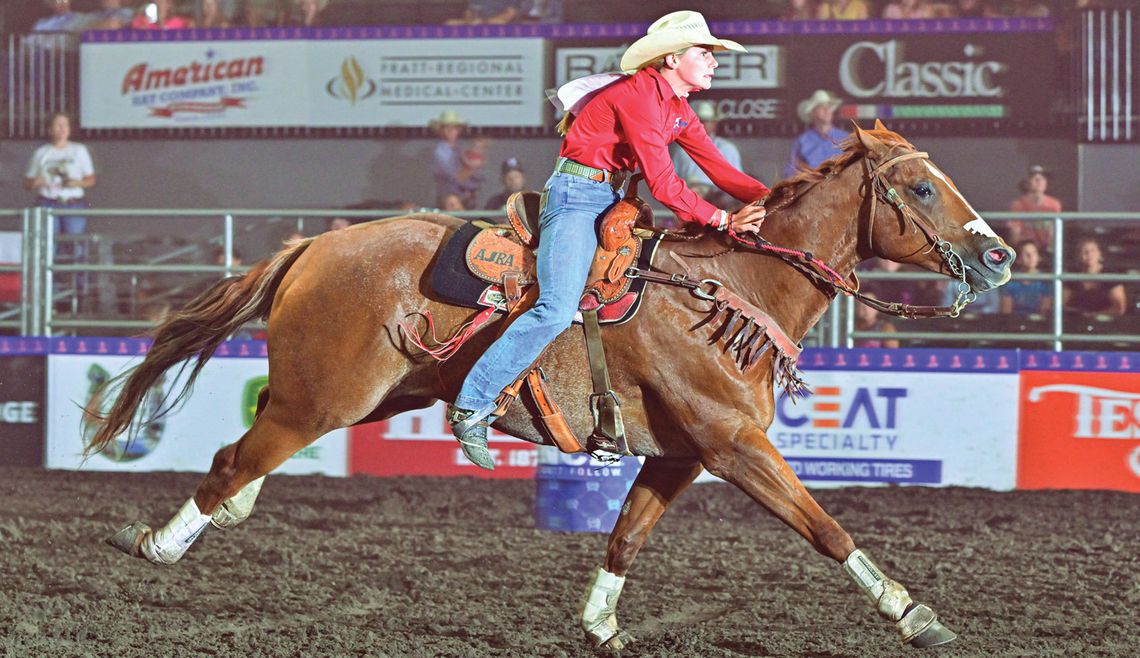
[[470, 429]]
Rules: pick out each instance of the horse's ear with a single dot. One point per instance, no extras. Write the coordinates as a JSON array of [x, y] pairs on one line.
[[879, 124], [870, 143]]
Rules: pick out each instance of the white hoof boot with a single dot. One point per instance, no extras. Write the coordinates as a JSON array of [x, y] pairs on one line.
[[234, 510], [916, 624], [920, 628], [599, 612], [168, 544]]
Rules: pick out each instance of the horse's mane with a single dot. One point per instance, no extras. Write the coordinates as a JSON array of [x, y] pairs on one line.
[[788, 191]]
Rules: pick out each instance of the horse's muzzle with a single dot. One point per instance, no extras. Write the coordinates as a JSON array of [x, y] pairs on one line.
[[996, 260]]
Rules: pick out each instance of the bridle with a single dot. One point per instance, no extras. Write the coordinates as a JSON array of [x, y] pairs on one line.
[[877, 189]]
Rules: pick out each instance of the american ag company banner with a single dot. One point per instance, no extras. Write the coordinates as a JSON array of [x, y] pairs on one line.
[[217, 413]]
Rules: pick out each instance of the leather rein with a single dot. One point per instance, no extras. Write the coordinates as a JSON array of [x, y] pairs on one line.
[[820, 272]]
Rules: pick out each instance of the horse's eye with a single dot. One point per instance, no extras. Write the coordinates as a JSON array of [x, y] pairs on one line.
[[923, 191]]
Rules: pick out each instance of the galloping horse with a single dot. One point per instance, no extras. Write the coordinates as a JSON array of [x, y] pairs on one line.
[[336, 357]]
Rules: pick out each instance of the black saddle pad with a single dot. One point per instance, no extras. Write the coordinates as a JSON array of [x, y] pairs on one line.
[[452, 282]]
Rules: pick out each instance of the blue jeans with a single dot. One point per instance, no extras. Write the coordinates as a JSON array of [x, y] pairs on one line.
[[67, 224], [568, 238]]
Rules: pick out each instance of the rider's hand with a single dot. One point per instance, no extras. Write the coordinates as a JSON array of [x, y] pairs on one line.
[[748, 219]]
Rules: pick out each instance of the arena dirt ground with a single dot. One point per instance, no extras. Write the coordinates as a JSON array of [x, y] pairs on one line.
[[432, 567]]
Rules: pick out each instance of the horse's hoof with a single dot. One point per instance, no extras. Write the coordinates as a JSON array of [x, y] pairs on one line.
[[129, 539], [617, 643], [934, 635]]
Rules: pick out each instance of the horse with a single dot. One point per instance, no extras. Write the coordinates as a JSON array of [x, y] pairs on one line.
[[337, 357]]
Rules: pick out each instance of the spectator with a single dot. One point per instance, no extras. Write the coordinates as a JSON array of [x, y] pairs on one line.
[[1024, 297], [906, 9], [843, 10], [451, 203], [1033, 199], [687, 169], [514, 180], [1027, 9], [160, 15], [821, 140], [1094, 297], [490, 12], [112, 15], [338, 223], [211, 14], [261, 13], [307, 13], [60, 173], [972, 9], [62, 19], [800, 10], [922, 292], [541, 11], [867, 319], [456, 171]]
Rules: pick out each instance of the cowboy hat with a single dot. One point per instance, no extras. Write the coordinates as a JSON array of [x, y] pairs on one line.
[[447, 118], [705, 110], [820, 96], [669, 34]]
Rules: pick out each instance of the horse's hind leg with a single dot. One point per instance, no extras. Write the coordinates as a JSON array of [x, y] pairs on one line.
[[658, 484], [238, 507], [271, 440], [753, 464]]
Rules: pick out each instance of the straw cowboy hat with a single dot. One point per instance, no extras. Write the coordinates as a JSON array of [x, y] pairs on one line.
[[673, 33], [804, 109], [447, 118]]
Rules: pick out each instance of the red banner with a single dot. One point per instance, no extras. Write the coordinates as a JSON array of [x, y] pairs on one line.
[[1079, 430], [420, 443]]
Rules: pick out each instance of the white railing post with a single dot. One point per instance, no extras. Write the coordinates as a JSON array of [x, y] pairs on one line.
[[1058, 286]]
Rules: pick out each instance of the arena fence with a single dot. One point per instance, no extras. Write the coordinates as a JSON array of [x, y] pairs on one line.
[[91, 284]]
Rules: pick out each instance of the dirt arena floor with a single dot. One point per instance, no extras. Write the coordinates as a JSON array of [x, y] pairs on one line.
[[432, 567]]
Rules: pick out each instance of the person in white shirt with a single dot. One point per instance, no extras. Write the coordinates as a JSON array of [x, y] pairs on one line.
[[687, 169], [60, 173]]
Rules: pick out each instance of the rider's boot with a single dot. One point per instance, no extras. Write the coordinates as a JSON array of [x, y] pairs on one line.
[[470, 428]]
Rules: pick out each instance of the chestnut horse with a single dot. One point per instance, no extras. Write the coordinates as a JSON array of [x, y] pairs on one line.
[[336, 357]]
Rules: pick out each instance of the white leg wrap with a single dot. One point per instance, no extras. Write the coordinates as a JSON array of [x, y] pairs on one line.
[[234, 510], [167, 545], [599, 611], [890, 598]]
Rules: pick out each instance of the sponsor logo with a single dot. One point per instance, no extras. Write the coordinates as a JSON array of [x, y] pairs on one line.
[[351, 85], [1102, 413], [203, 86], [249, 395], [860, 419], [23, 412], [895, 77], [759, 68], [145, 431]]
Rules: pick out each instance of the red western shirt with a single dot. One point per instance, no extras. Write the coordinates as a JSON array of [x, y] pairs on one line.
[[632, 122]]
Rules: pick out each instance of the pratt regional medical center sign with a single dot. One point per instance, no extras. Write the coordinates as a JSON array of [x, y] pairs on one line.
[[286, 78]]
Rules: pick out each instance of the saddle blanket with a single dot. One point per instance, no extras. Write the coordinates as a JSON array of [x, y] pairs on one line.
[[454, 283]]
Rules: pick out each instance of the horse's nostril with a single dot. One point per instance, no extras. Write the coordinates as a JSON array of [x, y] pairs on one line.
[[998, 256]]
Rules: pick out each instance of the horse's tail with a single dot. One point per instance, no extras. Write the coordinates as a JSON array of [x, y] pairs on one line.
[[193, 332]]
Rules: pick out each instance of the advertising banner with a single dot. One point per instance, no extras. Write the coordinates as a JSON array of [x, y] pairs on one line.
[[420, 443], [408, 82], [1080, 422], [190, 84], [902, 70], [220, 409], [22, 372], [135, 81]]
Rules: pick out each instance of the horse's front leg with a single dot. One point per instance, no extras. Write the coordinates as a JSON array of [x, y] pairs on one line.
[[658, 484], [753, 464]]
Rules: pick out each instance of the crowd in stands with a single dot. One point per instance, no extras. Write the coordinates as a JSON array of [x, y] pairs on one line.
[[81, 15]]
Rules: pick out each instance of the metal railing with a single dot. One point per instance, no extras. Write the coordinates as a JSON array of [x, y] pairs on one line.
[[45, 279]]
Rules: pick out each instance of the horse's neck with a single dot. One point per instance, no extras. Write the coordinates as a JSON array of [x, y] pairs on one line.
[[822, 222]]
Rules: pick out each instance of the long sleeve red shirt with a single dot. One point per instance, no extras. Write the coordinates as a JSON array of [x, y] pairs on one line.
[[630, 125]]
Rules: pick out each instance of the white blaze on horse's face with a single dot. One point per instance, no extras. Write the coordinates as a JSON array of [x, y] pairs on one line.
[[977, 224]]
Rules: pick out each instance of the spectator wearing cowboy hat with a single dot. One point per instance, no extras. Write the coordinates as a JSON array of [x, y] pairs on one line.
[[819, 142], [514, 180], [616, 123], [457, 170], [688, 169], [1033, 199]]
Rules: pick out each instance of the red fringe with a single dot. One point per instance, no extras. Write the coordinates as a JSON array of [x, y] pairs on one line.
[[445, 349]]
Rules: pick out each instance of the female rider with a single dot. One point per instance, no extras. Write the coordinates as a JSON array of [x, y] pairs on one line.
[[622, 123]]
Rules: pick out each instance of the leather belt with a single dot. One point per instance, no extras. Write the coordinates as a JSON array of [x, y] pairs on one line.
[[567, 166]]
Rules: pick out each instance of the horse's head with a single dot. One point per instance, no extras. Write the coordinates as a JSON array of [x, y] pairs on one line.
[[915, 214]]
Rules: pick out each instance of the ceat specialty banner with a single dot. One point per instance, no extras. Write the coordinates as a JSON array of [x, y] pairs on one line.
[[192, 83], [1079, 430], [420, 443], [218, 412]]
